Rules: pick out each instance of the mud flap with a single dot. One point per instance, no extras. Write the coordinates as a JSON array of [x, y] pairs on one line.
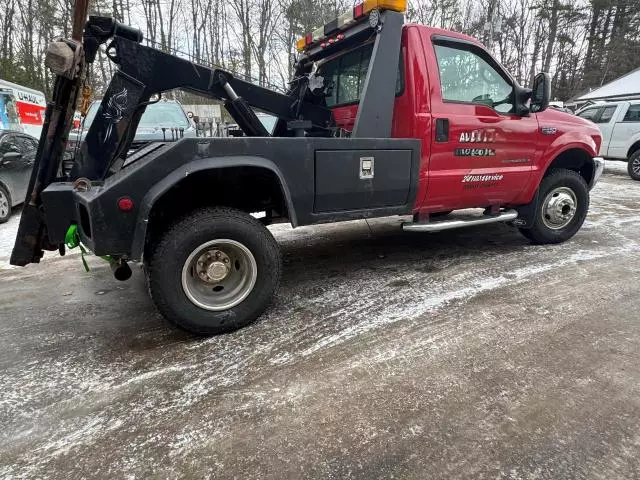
[[28, 247], [527, 213]]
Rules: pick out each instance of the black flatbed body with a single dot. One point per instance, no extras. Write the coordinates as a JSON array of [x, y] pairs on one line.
[[321, 180]]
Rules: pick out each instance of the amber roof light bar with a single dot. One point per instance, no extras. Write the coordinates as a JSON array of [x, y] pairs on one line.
[[332, 31]]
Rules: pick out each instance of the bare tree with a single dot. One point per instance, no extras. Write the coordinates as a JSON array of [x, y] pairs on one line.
[[242, 32], [583, 43], [268, 17]]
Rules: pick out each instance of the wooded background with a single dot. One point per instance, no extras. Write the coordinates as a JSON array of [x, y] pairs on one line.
[[582, 43]]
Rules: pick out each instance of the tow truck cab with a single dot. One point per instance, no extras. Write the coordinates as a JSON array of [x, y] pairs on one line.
[[479, 146]]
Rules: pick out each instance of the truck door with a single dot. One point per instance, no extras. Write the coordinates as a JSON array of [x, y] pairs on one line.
[[482, 153], [626, 127], [28, 147], [11, 162]]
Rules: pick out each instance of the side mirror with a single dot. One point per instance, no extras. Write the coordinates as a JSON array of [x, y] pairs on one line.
[[541, 92], [522, 96]]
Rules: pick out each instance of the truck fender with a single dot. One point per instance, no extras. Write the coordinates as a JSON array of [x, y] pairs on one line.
[[632, 145], [569, 141], [561, 149], [559, 154], [200, 165]]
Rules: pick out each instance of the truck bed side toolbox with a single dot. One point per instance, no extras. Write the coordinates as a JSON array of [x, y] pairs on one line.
[[359, 179]]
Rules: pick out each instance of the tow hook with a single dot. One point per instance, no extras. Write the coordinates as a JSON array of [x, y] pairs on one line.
[[121, 269]]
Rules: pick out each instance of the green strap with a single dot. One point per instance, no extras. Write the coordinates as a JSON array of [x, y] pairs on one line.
[[72, 240], [83, 254]]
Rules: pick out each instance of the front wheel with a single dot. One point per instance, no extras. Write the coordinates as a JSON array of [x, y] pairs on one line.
[[214, 271], [633, 166], [563, 204]]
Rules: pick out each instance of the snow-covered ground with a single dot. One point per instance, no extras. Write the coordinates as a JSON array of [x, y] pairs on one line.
[[614, 166]]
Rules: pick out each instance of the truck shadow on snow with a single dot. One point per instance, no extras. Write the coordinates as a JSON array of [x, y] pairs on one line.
[[329, 251], [335, 277], [319, 262]]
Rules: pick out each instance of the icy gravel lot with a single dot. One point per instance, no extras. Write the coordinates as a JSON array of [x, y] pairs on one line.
[[465, 354]]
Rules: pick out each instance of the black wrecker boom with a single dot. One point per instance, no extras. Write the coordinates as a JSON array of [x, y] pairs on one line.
[[142, 73]]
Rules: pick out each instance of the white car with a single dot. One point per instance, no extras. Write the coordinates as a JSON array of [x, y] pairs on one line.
[[619, 123]]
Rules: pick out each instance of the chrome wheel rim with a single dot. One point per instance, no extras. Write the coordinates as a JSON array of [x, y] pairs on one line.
[[559, 208], [220, 274], [4, 205], [635, 166]]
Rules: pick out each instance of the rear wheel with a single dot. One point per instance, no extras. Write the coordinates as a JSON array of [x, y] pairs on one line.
[[633, 166], [562, 208], [5, 205], [214, 271]]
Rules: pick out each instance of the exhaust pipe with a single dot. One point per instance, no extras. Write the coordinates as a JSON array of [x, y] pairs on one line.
[[121, 270]]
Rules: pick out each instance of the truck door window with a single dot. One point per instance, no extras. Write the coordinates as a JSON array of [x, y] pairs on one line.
[[633, 114], [606, 114], [344, 76], [467, 77]]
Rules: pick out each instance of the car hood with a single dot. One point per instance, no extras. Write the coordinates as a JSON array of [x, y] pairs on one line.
[[571, 125], [553, 116]]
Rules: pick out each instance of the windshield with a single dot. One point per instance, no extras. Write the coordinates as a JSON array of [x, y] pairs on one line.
[[163, 114]]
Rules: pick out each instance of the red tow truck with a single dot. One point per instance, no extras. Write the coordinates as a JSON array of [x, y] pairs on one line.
[[381, 118]]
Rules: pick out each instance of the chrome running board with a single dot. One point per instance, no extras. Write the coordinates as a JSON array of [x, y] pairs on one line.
[[504, 216]]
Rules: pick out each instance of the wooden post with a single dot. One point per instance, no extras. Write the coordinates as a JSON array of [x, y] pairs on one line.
[[80, 11]]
